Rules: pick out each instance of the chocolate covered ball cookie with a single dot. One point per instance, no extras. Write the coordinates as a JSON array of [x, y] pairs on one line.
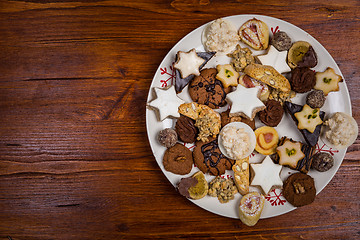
[[281, 41], [208, 158], [206, 89], [322, 161], [167, 137], [178, 159], [316, 99]]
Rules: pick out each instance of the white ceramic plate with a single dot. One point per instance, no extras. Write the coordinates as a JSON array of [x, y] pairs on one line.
[[275, 203]]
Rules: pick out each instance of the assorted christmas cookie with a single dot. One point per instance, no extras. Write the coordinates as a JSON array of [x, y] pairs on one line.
[[241, 57], [302, 79], [272, 114], [178, 159], [267, 140], [225, 119], [310, 121], [269, 76], [248, 86], [340, 130], [245, 102], [223, 189], [209, 158], [301, 54], [294, 154], [250, 82], [250, 208], [322, 161], [194, 187], [207, 120], [281, 41], [188, 63], [207, 89], [266, 175], [167, 137], [241, 170], [181, 82], [167, 102], [299, 189], [255, 33], [327, 81], [220, 36], [227, 75], [275, 59], [316, 99], [186, 130]]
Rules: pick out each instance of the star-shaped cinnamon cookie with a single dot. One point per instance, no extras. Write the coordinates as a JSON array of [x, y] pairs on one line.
[[275, 59], [267, 175], [167, 102], [188, 63], [244, 101]]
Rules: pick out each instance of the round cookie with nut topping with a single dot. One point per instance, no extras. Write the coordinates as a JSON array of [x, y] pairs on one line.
[[178, 159], [299, 189]]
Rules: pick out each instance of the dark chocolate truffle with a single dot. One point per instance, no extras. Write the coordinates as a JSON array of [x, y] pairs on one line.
[[315, 99], [322, 161], [302, 79], [186, 130], [272, 114], [168, 137], [281, 41]]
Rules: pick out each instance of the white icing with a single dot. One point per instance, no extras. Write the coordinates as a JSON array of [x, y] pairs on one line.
[[267, 174], [275, 59], [188, 63], [244, 100], [166, 102]]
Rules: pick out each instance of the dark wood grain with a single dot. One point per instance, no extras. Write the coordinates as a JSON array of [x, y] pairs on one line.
[[75, 162]]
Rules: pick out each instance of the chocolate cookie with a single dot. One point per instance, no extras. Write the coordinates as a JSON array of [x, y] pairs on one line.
[[208, 158], [178, 159], [299, 189], [225, 119], [322, 161], [206, 89], [186, 130], [302, 79], [272, 114]]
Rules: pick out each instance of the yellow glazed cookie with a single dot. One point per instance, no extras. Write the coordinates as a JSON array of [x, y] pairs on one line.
[[308, 118], [327, 81], [227, 75], [267, 139]]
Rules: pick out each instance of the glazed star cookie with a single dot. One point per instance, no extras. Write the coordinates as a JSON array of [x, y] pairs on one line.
[[308, 118], [167, 102], [188, 63], [327, 81], [244, 102], [293, 154], [310, 115], [227, 75], [181, 83], [275, 59], [267, 175]]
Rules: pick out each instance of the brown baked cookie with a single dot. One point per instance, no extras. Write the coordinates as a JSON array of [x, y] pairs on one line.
[[272, 114], [302, 79], [299, 189], [185, 129], [225, 119], [208, 158], [178, 159], [206, 89]]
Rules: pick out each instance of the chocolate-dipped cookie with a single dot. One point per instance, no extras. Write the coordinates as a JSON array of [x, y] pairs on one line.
[[206, 89], [208, 158]]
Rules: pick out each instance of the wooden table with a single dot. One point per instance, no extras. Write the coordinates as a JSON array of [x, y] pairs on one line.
[[75, 162]]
